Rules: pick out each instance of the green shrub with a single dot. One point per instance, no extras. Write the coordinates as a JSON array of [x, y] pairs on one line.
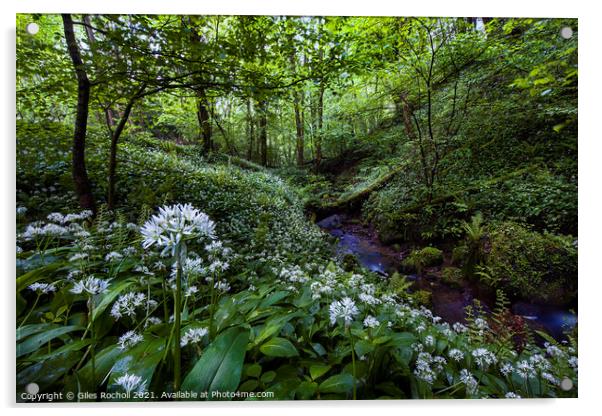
[[452, 276], [423, 297], [459, 254], [426, 257], [541, 267]]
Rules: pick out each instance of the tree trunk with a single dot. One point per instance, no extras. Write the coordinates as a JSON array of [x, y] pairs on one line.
[[250, 129], [300, 144], [204, 121], [81, 181], [320, 121], [263, 132], [113, 151]]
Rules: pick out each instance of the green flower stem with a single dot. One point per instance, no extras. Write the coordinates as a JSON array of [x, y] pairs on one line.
[[353, 362], [177, 324], [35, 303], [212, 309], [92, 336]]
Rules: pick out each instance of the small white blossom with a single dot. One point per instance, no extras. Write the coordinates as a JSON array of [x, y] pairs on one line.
[[512, 395], [455, 354], [524, 370], [193, 335], [471, 383], [371, 322], [129, 339], [90, 285], [130, 382], [42, 288], [175, 224], [506, 369], [484, 358], [344, 309], [113, 256], [127, 304]]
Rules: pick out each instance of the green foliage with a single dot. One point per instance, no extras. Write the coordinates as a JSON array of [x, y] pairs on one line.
[[532, 265], [497, 135], [452, 276], [425, 257]]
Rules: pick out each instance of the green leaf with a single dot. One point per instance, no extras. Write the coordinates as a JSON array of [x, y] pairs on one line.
[[140, 360], [363, 347], [306, 390], [268, 377], [318, 370], [33, 276], [272, 327], [36, 341], [403, 339], [31, 329], [279, 347], [341, 383], [253, 370], [220, 366]]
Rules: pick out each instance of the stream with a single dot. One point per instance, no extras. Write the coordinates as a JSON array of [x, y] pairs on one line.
[[447, 302]]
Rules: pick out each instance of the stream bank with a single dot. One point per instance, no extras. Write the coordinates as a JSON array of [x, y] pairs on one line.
[[448, 302]]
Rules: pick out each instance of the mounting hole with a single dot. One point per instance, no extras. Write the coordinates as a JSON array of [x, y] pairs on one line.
[[566, 32], [32, 28], [32, 388], [566, 384]]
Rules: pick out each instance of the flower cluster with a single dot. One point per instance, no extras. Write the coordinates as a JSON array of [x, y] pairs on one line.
[[130, 382], [174, 225], [42, 288], [193, 335], [344, 309], [129, 339], [90, 285], [127, 304]]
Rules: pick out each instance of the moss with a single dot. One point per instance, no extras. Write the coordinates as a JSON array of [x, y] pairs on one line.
[[422, 297], [540, 267], [459, 255], [452, 276], [399, 284], [426, 257]]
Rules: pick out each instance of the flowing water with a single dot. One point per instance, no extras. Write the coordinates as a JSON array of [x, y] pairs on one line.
[[447, 302]]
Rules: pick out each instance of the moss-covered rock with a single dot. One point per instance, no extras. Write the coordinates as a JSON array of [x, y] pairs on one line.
[[419, 259], [540, 267], [452, 276]]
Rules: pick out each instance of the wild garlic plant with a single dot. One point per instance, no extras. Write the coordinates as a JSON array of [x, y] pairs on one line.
[[171, 230]]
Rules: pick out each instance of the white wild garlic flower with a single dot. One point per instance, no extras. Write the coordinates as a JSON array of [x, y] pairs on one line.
[[129, 339], [90, 285], [130, 382], [42, 288], [344, 309], [193, 335], [174, 225]]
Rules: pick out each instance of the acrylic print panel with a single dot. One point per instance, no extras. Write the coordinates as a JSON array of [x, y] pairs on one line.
[[295, 208]]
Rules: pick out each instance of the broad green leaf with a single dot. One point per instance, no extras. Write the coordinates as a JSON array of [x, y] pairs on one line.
[[279, 347], [306, 390], [253, 370], [318, 370], [31, 329], [220, 366], [33, 276], [36, 341], [363, 347], [141, 360], [340, 383]]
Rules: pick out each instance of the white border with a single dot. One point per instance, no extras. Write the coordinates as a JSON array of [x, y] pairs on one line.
[[590, 384]]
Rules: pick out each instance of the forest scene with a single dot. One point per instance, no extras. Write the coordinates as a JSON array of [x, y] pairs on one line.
[[295, 208]]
